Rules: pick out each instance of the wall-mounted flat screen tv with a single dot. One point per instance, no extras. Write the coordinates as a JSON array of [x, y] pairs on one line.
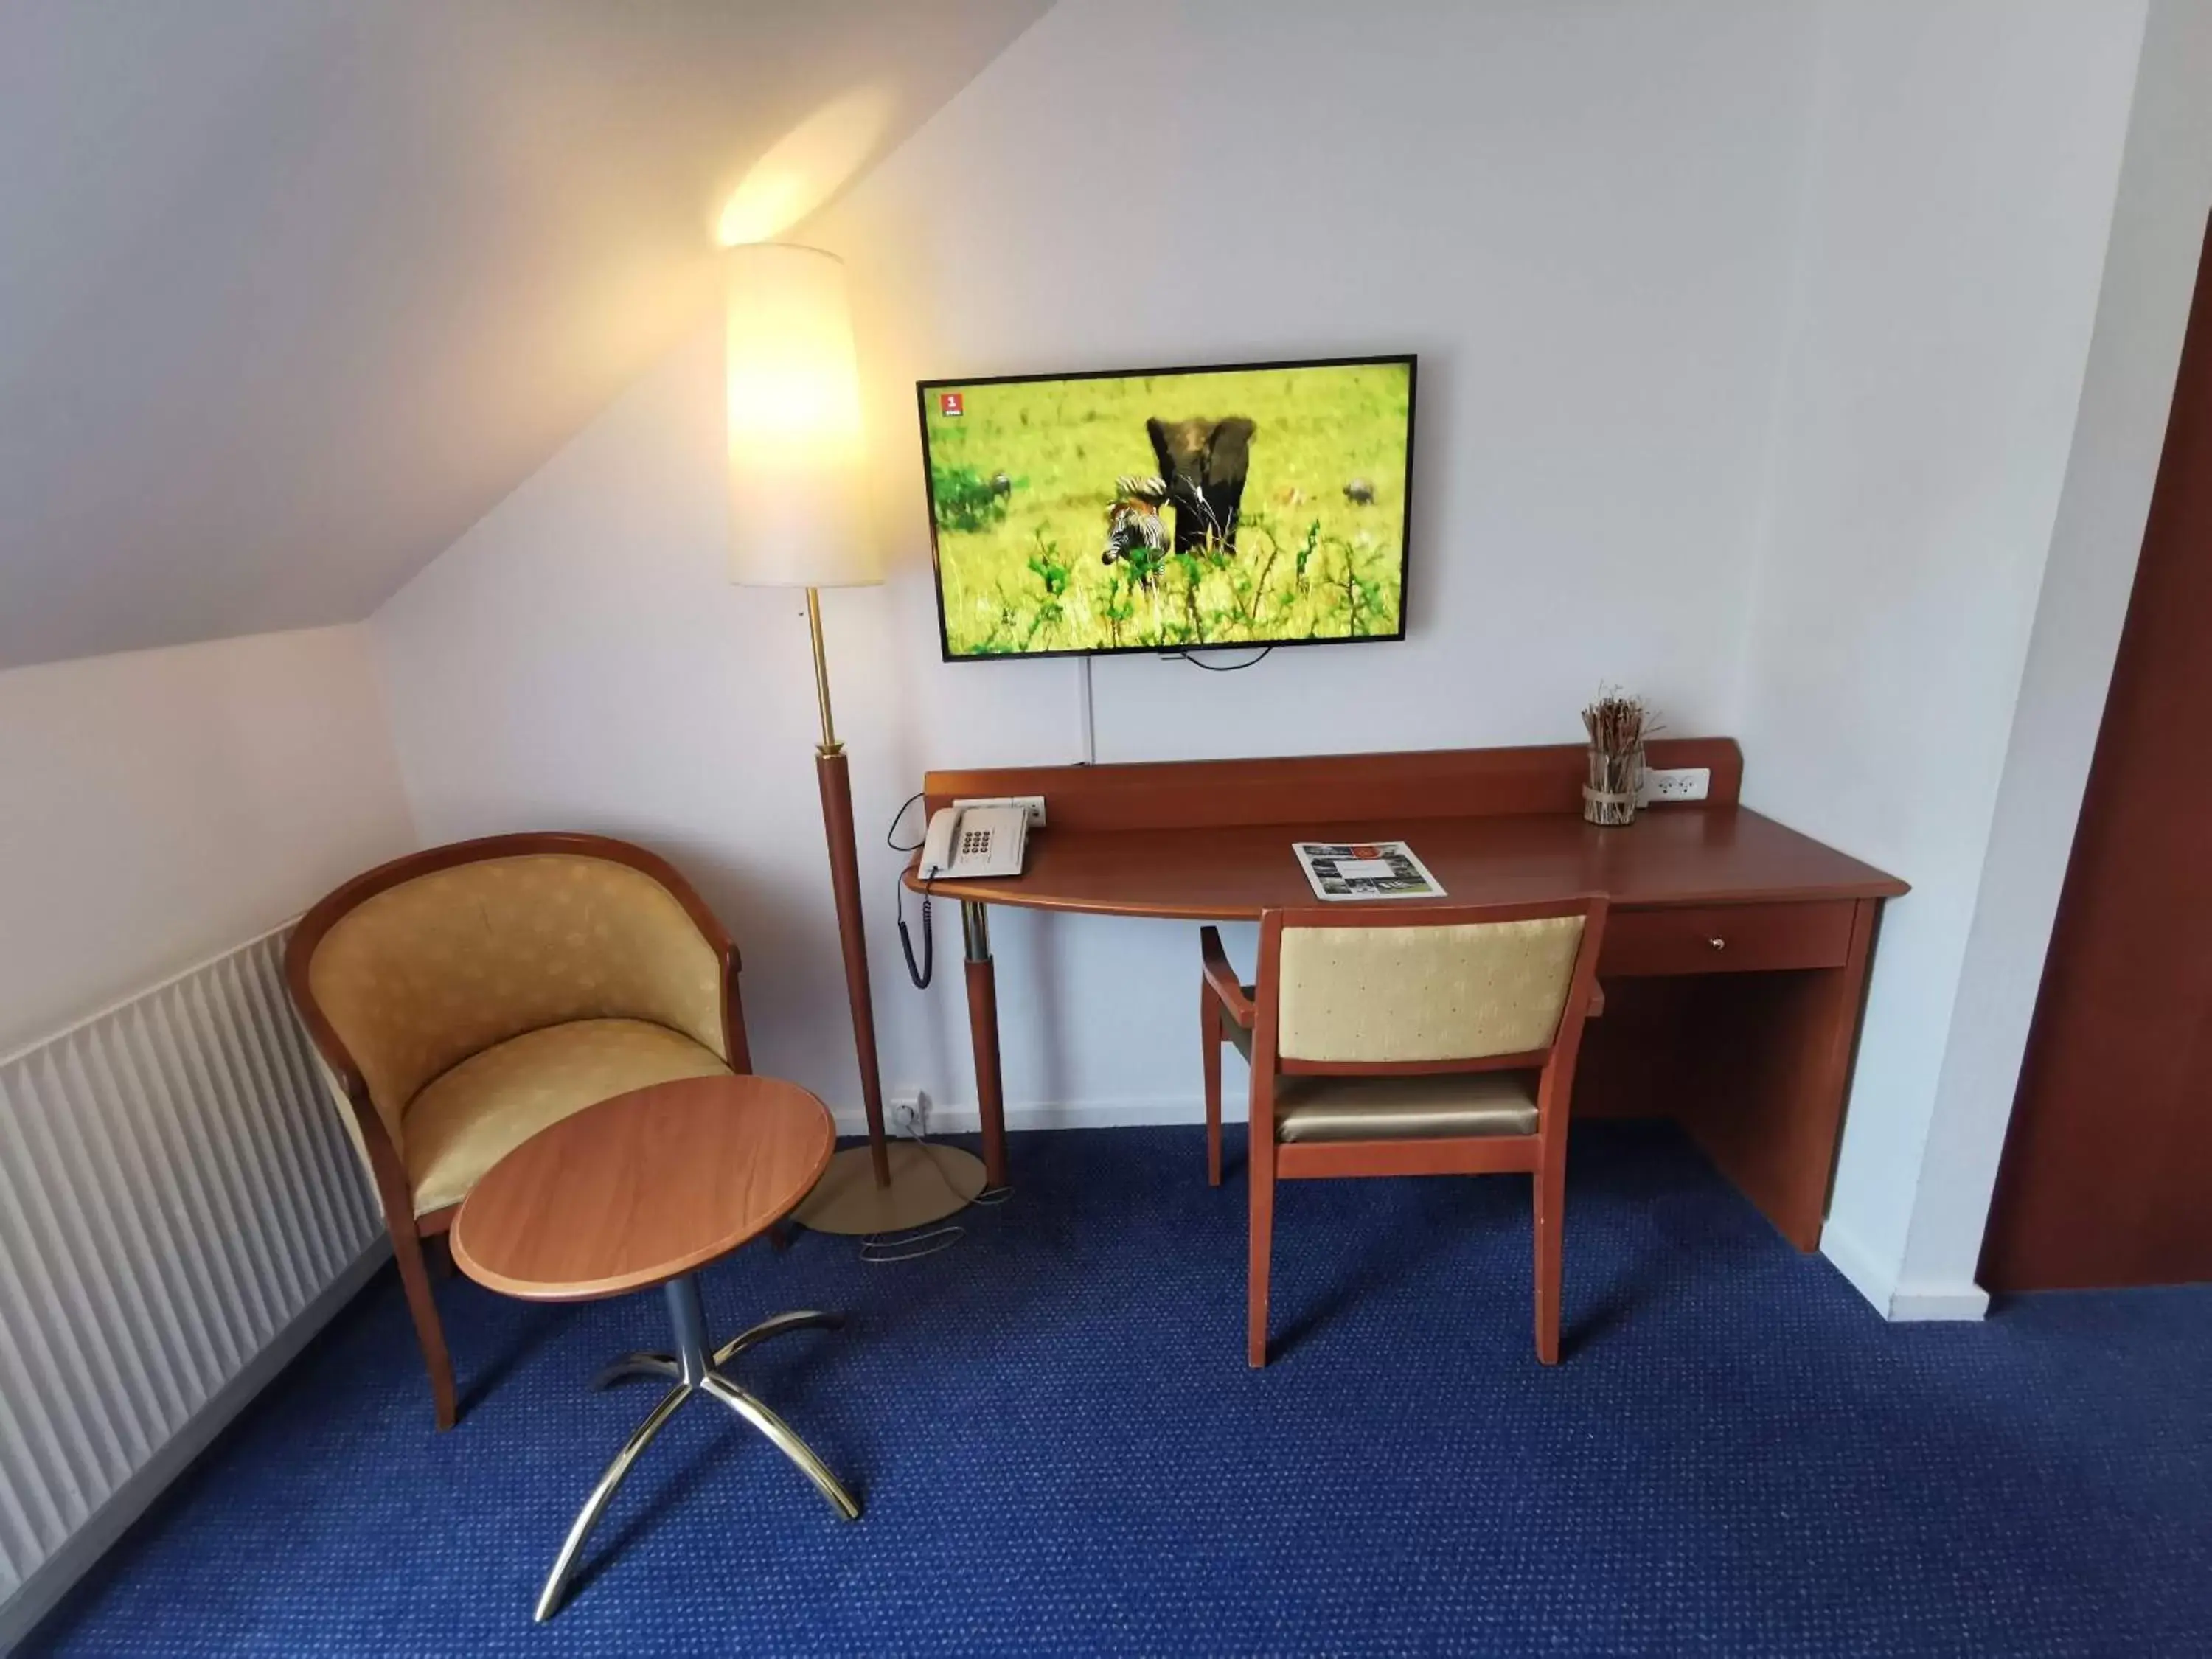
[[1170, 510]]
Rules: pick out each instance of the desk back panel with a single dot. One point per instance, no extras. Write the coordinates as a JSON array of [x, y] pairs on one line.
[[1435, 783]]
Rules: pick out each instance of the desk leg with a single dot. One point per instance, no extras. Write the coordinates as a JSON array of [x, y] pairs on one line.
[[983, 1030], [1756, 1066], [1768, 1081]]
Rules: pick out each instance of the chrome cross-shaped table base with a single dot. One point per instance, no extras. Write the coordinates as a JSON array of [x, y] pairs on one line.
[[694, 1371]]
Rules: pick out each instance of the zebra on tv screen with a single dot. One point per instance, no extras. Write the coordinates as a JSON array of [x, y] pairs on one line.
[[1169, 509]]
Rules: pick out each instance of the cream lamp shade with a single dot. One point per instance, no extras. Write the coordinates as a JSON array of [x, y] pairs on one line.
[[798, 509]]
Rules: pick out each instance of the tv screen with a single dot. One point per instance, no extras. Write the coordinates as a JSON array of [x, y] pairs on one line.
[[1169, 509]]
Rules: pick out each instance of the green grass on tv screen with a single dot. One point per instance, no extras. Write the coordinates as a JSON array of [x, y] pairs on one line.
[[1029, 483]]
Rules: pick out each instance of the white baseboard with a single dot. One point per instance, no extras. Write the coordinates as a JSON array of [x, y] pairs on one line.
[[1912, 1304], [1900, 1303], [948, 1118], [37, 1595]]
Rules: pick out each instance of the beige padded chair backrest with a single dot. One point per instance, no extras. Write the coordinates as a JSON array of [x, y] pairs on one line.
[[421, 976], [1412, 992]]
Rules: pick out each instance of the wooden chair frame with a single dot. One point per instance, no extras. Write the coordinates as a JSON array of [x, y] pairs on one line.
[[395, 1193], [1542, 1155]]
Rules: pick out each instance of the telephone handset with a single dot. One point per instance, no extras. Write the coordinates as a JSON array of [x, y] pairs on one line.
[[963, 843]]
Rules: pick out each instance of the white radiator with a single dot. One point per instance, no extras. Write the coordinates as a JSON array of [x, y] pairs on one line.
[[179, 1210]]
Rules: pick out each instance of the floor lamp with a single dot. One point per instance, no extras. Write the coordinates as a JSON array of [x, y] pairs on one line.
[[798, 519]]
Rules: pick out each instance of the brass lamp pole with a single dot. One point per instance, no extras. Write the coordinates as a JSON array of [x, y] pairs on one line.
[[795, 489]]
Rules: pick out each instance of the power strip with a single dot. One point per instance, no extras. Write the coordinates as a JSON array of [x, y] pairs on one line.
[[1032, 806]]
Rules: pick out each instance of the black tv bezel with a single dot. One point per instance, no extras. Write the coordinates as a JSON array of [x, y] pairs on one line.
[[921, 392]]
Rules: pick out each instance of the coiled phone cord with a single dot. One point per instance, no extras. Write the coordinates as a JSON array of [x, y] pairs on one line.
[[919, 975]]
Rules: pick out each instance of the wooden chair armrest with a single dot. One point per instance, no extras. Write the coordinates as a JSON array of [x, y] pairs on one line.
[[1214, 962]]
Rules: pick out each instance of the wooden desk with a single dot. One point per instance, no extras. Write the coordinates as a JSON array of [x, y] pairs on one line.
[[1736, 959]]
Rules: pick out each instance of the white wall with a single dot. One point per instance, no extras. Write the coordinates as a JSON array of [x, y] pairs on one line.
[[1962, 186], [160, 806], [335, 276], [1753, 338], [2142, 311], [1581, 216]]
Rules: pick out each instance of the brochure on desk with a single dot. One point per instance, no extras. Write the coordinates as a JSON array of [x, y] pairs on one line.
[[1365, 870]]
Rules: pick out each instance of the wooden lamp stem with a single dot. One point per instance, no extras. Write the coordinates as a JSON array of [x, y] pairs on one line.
[[831, 770]]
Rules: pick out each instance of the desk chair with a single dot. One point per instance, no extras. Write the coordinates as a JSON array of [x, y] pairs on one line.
[[1412, 1041], [464, 997]]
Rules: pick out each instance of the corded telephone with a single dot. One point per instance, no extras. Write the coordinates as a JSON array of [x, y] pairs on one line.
[[964, 842], [975, 841]]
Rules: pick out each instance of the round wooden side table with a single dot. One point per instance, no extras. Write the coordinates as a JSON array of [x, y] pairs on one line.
[[646, 1189]]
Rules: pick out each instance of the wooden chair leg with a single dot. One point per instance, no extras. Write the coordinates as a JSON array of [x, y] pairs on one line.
[[1551, 1187], [415, 1278], [1260, 1159], [1209, 1030]]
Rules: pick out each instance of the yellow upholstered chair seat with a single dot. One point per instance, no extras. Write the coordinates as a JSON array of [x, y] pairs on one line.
[[1414, 1107], [467, 1119], [1311, 1106]]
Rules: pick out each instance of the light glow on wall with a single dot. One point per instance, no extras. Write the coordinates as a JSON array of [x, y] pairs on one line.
[[804, 167]]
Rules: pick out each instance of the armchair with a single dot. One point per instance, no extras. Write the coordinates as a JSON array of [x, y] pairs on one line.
[[464, 996]]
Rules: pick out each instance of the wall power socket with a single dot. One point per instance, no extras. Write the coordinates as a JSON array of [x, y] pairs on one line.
[[1032, 806], [907, 1114], [1677, 783]]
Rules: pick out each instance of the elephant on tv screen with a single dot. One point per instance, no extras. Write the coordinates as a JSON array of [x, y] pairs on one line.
[[1204, 464]]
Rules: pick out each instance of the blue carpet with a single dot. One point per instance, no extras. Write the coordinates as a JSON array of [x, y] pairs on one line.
[[1061, 1451]]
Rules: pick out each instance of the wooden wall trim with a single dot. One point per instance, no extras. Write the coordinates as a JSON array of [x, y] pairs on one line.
[[1409, 784]]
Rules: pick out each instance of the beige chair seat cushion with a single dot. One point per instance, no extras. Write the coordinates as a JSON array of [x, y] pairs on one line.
[[467, 1119], [1403, 1107]]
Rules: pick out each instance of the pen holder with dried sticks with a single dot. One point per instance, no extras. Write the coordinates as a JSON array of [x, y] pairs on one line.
[[1616, 725], [1615, 780]]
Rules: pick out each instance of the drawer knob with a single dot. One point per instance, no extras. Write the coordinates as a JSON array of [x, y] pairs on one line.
[[1717, 944]]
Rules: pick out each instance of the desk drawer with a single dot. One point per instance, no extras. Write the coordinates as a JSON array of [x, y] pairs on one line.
[[1727, 938]]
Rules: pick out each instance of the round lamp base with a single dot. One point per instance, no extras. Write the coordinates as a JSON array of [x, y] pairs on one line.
[[928, 1182]]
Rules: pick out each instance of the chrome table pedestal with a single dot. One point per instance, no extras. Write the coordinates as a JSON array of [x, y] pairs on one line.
[[694, 1371]]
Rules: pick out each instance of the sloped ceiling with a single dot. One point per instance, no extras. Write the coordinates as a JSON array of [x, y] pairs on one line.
[[292, 291]]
